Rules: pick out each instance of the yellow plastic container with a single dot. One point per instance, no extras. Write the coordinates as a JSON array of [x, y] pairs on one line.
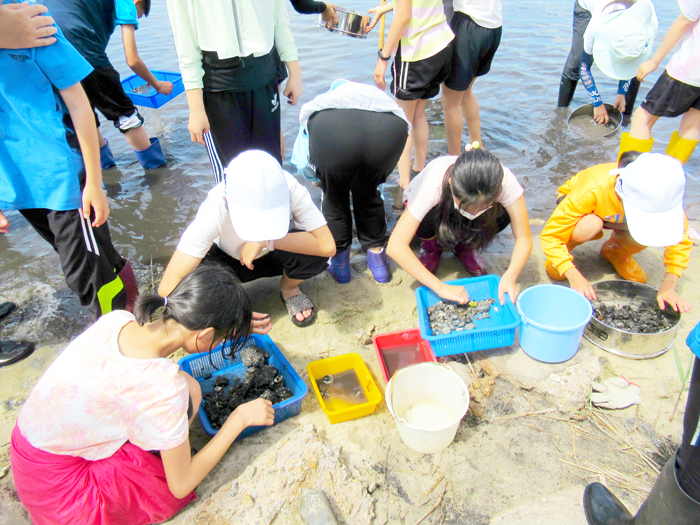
[[336, 410]]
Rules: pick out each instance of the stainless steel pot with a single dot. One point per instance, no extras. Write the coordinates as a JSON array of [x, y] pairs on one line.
[[630, 344], [351, 23], [579, 120]]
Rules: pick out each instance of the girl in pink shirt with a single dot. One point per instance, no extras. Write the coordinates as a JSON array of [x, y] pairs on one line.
[[79, 451], [461, 203]]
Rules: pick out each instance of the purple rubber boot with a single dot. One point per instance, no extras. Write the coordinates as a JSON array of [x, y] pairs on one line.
[[378, 264]]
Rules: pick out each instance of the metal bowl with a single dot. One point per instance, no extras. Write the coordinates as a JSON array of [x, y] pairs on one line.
[[351, 23], [579, 121], [631, 345]]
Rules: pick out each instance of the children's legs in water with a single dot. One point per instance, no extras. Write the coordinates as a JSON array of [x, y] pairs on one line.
[[412, 108], [459, 105]]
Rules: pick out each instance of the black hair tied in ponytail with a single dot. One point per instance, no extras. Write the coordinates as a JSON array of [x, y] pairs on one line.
[[210, 296], [474, 181]]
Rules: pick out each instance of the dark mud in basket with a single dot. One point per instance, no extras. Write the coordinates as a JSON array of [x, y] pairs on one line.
[[641, 319], [261, 381], [446, 317]]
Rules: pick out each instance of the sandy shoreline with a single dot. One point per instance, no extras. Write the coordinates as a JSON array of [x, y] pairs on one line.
[[496, 464]]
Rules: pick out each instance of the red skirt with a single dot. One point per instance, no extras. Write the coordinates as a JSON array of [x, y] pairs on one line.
[[127, 488]]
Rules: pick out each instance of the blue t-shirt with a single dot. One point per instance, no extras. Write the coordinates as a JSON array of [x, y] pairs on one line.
[[38, 166], [89, 24]]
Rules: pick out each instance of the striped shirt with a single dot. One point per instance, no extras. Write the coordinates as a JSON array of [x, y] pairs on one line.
[[428, 32]]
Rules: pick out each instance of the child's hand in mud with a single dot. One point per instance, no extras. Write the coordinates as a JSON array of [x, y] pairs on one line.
[[255, 413], [458, 294], [600, 114]]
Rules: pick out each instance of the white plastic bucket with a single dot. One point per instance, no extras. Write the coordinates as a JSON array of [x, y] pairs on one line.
[[427, 400]]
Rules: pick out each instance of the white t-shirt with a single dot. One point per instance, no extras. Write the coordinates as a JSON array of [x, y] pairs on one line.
[[92, 399], [353, 95], [601, 11], [425, 191], [685, 62], [486, 13], [213, 222]]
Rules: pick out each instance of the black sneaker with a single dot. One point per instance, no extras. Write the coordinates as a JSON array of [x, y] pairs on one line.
[[13, 351]]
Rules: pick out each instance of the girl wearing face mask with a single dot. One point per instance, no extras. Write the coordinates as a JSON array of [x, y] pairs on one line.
[[461, 204]]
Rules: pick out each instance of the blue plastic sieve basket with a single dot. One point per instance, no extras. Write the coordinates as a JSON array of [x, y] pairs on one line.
[[151, 98], [200, 365], [495, 332]]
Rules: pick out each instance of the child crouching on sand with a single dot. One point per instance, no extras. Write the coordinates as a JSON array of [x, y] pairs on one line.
[[641, 201], [461, 203], [79, 450]]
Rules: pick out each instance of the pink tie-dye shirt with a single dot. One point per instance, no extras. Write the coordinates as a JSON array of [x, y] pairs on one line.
[[92, 399], [685, 62]]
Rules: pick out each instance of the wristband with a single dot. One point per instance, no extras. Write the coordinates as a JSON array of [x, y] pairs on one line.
[[271, 245], [382, 57]]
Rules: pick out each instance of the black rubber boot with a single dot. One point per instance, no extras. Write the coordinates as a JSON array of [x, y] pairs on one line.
[[6, 309], [13, 351], [567, 87], [667, 504]]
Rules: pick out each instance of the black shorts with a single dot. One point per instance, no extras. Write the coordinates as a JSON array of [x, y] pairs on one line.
[[670, 97], [421, 79], [272, 264], [475, 47], [104, 90]]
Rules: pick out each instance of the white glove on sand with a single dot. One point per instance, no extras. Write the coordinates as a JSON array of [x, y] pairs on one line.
[[615, 393]]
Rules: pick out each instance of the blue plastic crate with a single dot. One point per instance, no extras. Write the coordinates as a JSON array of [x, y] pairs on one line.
[[495, 332], [200, 365], [151, 98]]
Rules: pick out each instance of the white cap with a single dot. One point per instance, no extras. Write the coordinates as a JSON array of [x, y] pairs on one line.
[[257, 195], [625, 41], [651, 189]]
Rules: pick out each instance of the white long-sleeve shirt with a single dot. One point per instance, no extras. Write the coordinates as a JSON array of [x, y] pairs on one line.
[[230, 28]]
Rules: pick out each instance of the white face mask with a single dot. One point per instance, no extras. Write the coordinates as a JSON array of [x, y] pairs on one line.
[[469, 215]]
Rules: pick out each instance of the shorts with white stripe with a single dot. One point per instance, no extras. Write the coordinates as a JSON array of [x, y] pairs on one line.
[[89, 260], [420, 79]]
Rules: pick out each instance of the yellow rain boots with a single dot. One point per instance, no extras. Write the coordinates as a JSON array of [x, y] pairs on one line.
[[628, 143], [618, 251], [679, 148], [552, 271]]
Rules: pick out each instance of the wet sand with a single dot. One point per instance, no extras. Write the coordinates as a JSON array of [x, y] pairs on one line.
[[495, 464]]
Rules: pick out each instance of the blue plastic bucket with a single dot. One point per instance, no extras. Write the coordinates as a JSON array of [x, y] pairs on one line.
[[553, 319]]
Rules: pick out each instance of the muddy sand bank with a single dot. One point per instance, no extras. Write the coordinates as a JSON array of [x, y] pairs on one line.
[[524, 451]]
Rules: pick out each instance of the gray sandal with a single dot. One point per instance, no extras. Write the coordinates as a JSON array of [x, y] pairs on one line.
[[299, 303]]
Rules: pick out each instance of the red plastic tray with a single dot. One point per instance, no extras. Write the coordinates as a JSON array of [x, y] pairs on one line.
[[404, 341]]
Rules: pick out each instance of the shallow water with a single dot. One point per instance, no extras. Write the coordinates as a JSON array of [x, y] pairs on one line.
[[520, 124]]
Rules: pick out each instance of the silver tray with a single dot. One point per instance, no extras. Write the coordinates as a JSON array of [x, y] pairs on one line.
[[350, 23], [631, 345]]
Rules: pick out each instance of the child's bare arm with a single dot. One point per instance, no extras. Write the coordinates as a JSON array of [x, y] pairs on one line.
[[84, 122], [133, 60]]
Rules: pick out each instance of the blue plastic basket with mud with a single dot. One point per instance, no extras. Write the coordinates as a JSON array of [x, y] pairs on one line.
[[209, 370], [496, 329]]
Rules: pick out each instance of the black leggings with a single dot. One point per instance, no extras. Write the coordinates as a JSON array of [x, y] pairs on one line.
[[354, 151], [688, 462]]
